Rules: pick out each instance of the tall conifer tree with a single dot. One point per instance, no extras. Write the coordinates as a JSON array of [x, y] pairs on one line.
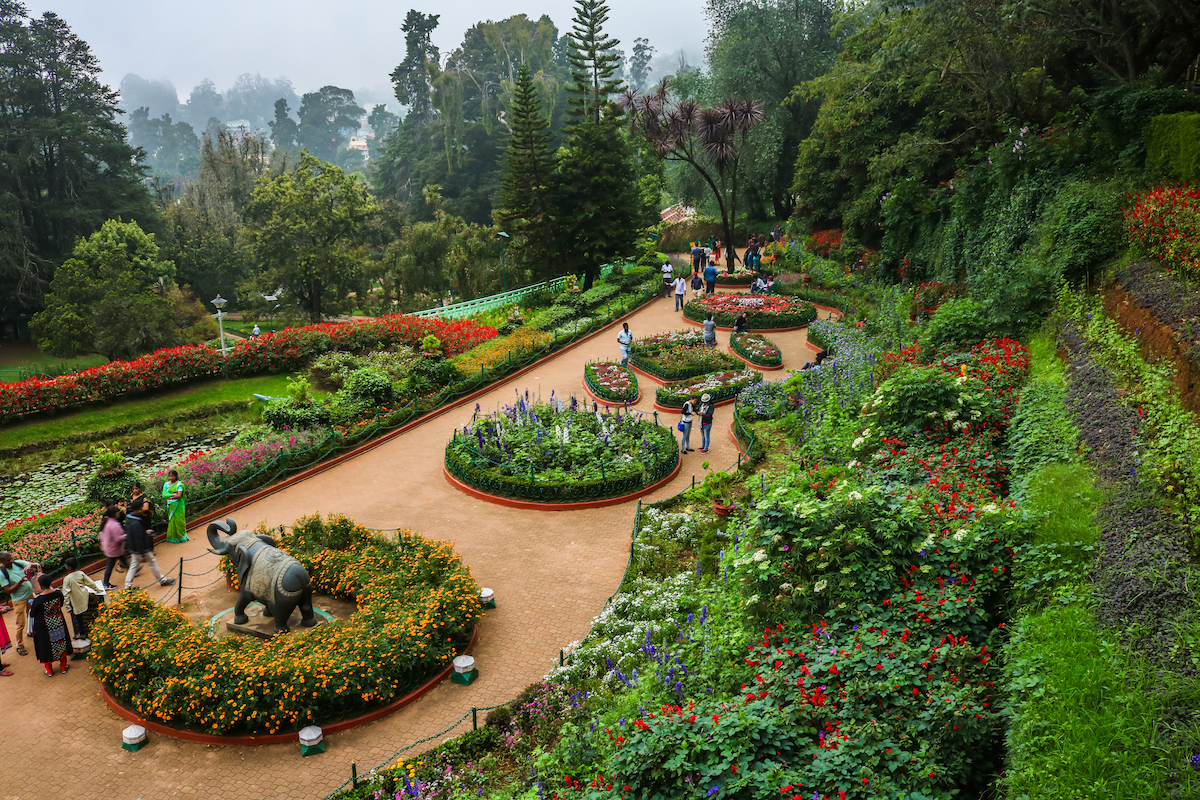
[[524, 197], [594, 62]]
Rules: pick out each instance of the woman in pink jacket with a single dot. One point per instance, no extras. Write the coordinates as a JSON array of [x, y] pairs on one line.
[[112, 541]]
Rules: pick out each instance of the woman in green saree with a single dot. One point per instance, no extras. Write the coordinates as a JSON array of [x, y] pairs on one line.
[[176, 508]]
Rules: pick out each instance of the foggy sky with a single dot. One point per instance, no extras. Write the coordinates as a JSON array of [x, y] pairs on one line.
[[354, 45]]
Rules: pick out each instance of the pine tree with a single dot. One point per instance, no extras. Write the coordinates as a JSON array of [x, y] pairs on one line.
[[524, 197], [594, 60], [596, 198]]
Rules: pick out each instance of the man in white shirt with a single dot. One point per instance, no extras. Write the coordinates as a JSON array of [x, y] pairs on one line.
[[668, 277], [625, 339], [680, 290]]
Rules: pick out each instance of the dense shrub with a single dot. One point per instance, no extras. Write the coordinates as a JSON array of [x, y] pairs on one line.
[[285, 413], [1173, 145], [957, 322], [1165, 222]]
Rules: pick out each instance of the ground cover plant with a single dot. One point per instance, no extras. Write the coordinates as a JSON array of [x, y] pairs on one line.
[[756, 348], [763, 312], [560, 451], [721, 386], [610, 381], [1172, 297], [417, 604], [683, 361]]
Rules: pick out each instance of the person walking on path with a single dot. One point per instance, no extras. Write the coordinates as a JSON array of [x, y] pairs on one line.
[[710, 331], [680, 290], [75, 588], [697, 285], [668, 275], [710, 278], [139, 540], [706, 420], [685, 441], [697, 256], [173, 493], [112, 542], [5, 643], [50, 640], [625, 339], [15, 580], [254, 333]]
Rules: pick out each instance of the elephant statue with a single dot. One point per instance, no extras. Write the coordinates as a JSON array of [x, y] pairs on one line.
[[265, 573]]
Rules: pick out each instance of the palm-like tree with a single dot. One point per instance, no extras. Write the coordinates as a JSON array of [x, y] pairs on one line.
[[710, 140]]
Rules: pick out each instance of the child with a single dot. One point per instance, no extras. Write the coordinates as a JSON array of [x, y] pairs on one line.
[[75, 587]]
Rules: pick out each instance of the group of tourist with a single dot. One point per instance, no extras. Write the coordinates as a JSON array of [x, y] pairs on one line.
[[127, 540]]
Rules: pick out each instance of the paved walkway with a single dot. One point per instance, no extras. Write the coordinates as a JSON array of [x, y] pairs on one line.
[[551, 571]]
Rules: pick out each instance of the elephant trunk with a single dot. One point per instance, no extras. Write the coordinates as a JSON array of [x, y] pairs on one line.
[[214, 535]]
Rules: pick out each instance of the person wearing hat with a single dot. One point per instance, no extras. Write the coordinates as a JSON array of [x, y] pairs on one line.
[[706, 418]]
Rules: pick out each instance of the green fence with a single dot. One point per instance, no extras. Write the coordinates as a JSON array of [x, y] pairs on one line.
[[494, 301]]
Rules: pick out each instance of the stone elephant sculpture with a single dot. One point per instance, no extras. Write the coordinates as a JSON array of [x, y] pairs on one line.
[[265, 573]]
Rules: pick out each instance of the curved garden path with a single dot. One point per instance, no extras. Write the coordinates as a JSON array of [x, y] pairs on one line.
[[551, 571]]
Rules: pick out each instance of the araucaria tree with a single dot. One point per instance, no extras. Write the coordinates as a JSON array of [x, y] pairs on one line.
[[594, 61], [525, 208], [305, 230], [710, 140]]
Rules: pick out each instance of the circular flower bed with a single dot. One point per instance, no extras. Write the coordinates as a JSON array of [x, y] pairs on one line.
[[723, 386], [756, 348], [684, 361], [763, 312], [560, 452], [417, 604], [611, 382]]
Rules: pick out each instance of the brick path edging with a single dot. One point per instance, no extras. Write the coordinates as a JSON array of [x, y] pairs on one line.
[[282, 738]]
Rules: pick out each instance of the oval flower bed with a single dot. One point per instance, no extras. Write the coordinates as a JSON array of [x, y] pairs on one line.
[[683, 361], [417, 604], [756, 349], [723, 386], [560, 452], [764, 312], [649, 345], [740, 277], [610, 382]]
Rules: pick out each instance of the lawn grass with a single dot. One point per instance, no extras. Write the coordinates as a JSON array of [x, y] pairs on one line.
[[104, 415], [39, 362]]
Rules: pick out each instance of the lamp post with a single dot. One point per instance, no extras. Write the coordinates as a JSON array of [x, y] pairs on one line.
[[503, 237], [220, 302]]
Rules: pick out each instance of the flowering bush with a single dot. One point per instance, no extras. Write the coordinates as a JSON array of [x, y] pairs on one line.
[[49, 546], [764, 399], [740, 277], [559, 452], [721, 385], [208, 472], [931, 294], [610, 381], [756, 348], [684, 361], [1166, 223], [417, 604], [649, 345], [518, 345], [762, 311], [824, 242]]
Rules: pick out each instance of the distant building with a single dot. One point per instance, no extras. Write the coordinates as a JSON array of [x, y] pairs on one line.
[[677, 213]]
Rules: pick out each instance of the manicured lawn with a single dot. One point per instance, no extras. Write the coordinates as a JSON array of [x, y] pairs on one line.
[[19, 356], [128, 410]]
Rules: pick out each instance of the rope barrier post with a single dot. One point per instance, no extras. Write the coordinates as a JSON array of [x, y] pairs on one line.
[[353, 774], [179, 596], [560, 658], [474, 718]]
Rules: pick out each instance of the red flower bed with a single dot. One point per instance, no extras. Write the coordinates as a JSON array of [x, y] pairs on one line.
[[824, 242], [152, 371], [286, 350], [1166, 222], [930, 295]]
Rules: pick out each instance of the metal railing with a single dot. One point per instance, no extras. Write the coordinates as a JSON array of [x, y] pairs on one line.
[[492, 302]]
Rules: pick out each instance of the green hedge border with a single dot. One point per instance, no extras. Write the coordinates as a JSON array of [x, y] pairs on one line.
[[753, 359], [653, 369], [463, 466], [597, 390]]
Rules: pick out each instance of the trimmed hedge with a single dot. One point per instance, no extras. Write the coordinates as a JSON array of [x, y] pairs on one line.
[[1173, 145], [674, 395]]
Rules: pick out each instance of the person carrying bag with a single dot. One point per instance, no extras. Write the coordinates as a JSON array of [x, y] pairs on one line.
[[685, 425]]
